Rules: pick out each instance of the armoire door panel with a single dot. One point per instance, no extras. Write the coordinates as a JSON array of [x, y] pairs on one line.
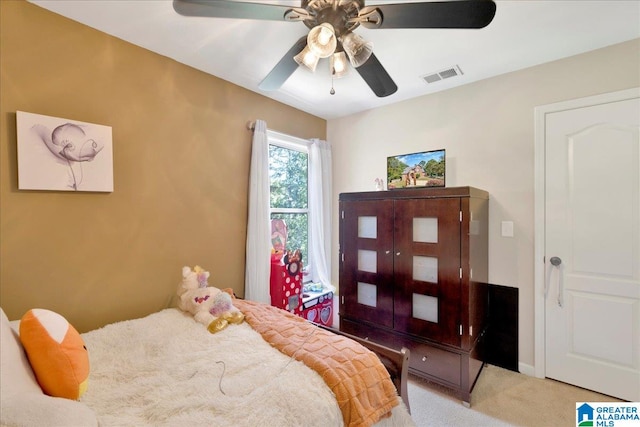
[[416, 282], [366, 278]]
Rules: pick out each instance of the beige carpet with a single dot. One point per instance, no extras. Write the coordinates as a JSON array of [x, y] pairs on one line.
[[500, 398]]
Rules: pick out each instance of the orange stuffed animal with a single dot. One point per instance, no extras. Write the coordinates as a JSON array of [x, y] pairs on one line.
[[56, 353]]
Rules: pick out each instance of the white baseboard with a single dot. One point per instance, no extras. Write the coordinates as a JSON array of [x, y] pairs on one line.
[[526, 369]]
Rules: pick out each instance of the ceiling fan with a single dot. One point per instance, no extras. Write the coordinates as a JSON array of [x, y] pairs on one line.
[[331, 24]]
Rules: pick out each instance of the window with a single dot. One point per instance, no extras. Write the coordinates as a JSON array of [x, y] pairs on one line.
[[289, 189]]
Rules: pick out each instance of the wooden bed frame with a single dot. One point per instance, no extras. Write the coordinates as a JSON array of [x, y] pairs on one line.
[[396, 362]]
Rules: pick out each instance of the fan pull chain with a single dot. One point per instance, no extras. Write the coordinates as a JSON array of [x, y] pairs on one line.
[[332, 91]]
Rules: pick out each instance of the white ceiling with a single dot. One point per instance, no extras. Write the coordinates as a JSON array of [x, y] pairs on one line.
[[522, 34]]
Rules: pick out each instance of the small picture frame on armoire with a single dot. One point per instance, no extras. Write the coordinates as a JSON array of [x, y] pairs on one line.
[[415, 170]]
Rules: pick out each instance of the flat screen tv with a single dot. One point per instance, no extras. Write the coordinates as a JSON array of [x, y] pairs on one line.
[[424, 169]]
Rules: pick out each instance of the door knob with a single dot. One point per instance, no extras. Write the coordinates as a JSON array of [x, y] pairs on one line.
[[555, 261]]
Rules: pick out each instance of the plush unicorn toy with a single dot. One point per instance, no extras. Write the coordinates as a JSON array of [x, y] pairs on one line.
[[209, 305]]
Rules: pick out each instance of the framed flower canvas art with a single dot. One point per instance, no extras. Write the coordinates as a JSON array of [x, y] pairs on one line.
[[63, 155]]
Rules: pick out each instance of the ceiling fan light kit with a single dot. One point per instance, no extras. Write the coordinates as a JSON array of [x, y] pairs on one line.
[[357, 49], [322, 40], [338, 65], [307, 58], [331, 24]]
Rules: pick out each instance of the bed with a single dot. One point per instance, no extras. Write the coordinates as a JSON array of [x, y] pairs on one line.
[[167, 370]]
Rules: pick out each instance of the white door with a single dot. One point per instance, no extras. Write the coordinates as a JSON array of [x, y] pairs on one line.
[[592, 246]]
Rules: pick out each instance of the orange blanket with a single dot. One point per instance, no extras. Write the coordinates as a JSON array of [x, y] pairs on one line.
[[361, 384]]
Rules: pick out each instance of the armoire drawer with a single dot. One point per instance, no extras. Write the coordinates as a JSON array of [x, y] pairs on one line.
[[432, 361], [427, 360], [376, 335]]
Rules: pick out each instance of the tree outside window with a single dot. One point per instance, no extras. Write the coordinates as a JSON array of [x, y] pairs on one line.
[[288, 183]]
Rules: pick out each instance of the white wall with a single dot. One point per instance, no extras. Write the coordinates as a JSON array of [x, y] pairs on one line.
[[487, 128]]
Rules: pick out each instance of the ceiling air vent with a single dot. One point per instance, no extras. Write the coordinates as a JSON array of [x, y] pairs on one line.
[[443, 74]]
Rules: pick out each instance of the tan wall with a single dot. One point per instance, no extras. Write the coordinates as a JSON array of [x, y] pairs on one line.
[[487, 128], [181, 156]]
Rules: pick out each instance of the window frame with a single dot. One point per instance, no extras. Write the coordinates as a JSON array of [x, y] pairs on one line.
[[301, 145]]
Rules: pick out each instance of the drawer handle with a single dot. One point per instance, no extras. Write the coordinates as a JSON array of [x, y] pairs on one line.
[[424, 358]]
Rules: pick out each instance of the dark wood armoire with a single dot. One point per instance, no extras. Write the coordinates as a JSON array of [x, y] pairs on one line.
[[413, 273]]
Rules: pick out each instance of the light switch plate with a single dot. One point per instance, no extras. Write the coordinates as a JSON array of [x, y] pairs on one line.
[[507, 228]]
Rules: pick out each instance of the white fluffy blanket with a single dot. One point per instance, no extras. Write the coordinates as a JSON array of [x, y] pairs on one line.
[[166, 369]]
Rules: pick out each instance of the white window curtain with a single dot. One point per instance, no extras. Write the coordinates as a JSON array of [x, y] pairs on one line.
[[258, 257], [320, 209]]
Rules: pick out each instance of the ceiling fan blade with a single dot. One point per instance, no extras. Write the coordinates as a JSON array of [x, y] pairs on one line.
[[439, 14], [374, 74], [284, 68], [231, 9]]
